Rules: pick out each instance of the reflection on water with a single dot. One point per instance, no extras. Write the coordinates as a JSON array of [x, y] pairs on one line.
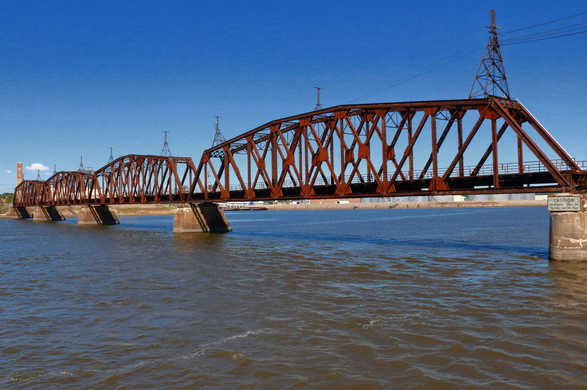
[[293, 299]]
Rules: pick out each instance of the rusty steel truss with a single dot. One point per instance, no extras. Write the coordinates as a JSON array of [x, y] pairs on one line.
[[126, 180], [362, 150]]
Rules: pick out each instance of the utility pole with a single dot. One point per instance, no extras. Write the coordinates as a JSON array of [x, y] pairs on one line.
[[318, 105], [490, 78], [218, 136], [165, 151]]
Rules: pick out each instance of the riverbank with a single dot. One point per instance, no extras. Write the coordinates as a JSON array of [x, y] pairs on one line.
[[169, 209], [121, 210], [329, 205]]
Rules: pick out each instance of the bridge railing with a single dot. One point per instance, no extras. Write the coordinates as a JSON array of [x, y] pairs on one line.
[[509, 168], [485, 170]]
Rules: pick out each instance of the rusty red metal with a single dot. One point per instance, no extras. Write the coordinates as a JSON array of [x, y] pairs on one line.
[[354, 151], [28, 193], [144, 179], [362, 150], [126, 180]]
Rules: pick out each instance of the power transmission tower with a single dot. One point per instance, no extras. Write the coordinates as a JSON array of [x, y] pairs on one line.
[[318, 105], [39, 174], [165, 151], [490, 78], [54, 168], [81, 162], [111, 157], [218, 137]]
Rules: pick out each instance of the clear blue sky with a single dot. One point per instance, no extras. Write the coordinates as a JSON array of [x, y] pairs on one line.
[[78, 77]]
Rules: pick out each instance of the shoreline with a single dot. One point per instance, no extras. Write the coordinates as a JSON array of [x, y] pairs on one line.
[[167, 209], [411, 205]]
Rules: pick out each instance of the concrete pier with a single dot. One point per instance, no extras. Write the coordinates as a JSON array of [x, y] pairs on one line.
[[45, 214], [201, 218], [568, 227], [97, 215], [18, 212]]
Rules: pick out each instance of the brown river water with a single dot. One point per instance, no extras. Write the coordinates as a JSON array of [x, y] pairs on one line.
[[355, 299]]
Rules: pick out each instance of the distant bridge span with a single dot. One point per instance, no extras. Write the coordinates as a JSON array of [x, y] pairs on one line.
[[360, 150]]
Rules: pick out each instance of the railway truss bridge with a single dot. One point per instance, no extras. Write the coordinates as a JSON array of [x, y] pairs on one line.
[[421, 148]]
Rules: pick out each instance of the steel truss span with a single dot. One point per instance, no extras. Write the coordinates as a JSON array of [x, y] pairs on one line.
[[363, 150], [126, 180]]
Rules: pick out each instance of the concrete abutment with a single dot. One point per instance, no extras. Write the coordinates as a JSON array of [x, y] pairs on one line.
[[45, 214], [37, 213], [18, 212], [200, 218], [568, 227], [97, 215]]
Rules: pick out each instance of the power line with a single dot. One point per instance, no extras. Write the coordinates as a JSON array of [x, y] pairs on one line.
[[559, 30], [545, 23], [509, 43], [441, 63]]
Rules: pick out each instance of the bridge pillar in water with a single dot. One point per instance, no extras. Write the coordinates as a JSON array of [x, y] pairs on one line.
[[18, 212], [97, 215], [568, 227], [200, 218], [45, 214]]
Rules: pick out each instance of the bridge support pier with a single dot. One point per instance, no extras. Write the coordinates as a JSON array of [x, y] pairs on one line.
[[200, 218], [97, 215], [46, 214], [568, 227], [18, 212]]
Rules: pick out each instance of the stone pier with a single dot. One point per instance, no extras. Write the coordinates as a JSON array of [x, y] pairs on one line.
[[568, 227], [201, 218], [46, 214], [97, 215]]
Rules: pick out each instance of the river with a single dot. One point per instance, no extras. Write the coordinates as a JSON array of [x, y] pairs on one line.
[[353, 299]]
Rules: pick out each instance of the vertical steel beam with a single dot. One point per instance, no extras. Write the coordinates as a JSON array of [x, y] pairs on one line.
[[494, 153], [384, 147], [249, 151], [226, 163], [410, 136], [434, 144], [273, 146], [520, 155], [460, 136], [332, 175]]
